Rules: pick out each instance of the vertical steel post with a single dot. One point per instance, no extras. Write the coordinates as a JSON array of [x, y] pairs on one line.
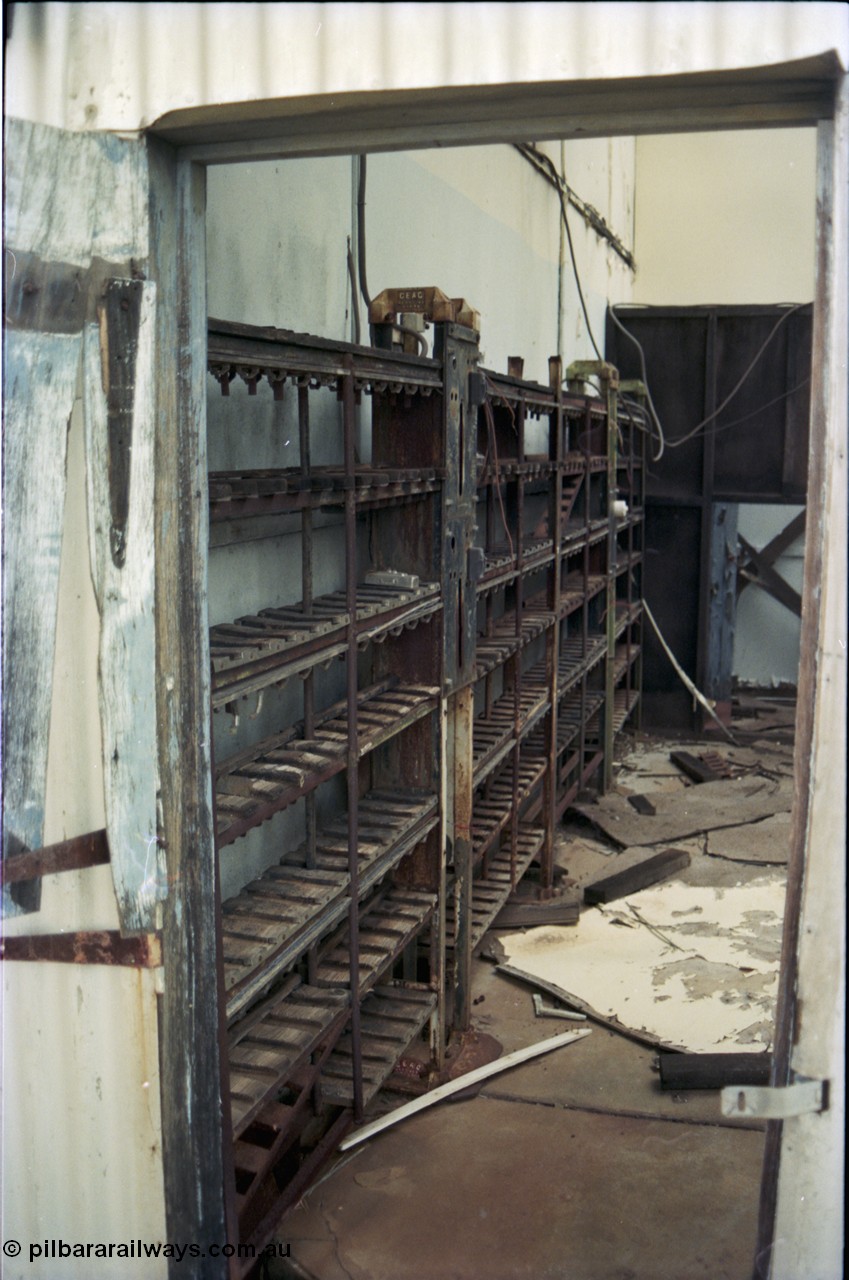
[[306, 602], [352, 774], [610, 384], [462, 713], [462, 394], [555, 453]]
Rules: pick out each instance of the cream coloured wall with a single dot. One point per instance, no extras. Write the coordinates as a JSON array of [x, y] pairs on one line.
[[79, 1054], [725, 219]]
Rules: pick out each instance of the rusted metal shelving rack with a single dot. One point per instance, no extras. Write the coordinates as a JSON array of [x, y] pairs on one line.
[[487, 629]]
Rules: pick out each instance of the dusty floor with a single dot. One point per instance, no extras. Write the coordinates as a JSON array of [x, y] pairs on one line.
[[575, 1166]]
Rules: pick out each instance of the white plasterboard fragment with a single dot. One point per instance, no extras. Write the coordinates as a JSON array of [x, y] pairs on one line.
[[704, 977]]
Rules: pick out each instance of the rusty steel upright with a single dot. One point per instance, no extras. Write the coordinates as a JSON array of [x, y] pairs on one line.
[[352, 770], [462, 396]]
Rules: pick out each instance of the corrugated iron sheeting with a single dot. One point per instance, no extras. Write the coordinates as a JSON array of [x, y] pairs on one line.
[[122, 66]]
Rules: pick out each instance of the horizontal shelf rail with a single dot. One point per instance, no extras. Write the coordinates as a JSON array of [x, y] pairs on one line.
[[250, 352], [272, 646], [236, 495], [390, 1019], [270, 924], [255, 784], [387, 926], [490, 893], [268, 1050]]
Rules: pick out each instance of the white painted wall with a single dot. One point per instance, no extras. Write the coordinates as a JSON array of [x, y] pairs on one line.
[[725, 218], [478, 222], [729, 218]]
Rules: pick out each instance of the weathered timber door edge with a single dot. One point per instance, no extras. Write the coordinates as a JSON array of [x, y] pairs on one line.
[[190, 1054]]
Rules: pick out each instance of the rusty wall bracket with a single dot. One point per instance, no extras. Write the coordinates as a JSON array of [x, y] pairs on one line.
[[107, 946], [90, 850]]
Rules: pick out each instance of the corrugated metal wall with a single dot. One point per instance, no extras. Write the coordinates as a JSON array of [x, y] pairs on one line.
[[122, 66]]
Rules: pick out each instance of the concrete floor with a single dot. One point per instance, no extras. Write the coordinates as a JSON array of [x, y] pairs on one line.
[[575, 1166]]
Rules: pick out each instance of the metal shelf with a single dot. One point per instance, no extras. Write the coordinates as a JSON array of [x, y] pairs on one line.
[[340, 909], [390, 1018], [254, 785], [272, 646], [238, 495], [277, 917]]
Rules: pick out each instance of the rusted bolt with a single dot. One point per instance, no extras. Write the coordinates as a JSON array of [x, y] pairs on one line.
[[28, 287]]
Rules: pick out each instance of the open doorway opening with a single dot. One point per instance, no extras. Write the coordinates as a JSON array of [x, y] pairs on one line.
[[421, 216]]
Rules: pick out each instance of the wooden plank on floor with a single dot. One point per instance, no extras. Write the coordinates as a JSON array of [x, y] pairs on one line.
[[684, 1071], [654, 869]]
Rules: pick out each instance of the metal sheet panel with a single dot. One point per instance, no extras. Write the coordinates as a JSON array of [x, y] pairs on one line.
[[122, 66]]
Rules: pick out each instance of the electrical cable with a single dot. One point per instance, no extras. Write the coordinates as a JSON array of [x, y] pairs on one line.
[[576, 274], [545, 166], [592, 217], [355, 302], [694, 431], [537, 159], [421, 341], [656, 457], [682, 674], [726, 426], [675, 444], [491, 438], [361, 229]]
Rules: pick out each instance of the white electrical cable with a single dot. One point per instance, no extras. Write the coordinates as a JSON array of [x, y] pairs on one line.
[[700, 697]]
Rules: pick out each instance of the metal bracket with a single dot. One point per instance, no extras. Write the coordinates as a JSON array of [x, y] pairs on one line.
[[477, 388], [543, 1010], [802, 1097]]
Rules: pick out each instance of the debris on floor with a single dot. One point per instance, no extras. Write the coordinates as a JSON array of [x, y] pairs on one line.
[[766, 842], [575, 1003], [460, 1085], [542, 1010], [713, 1070], [521, 915], [707, 767], [729, 803], [694, 966], [659, 866]]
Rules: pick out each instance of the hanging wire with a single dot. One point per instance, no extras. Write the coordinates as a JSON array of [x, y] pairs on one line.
[[682, 674], [421, 340], [726, 426], [576, 273], [666, 443], [493, 445], [361, 229], [355, 302], [675, 444], [661, 439]]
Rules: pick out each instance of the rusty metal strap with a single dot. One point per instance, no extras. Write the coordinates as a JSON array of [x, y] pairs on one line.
[[89, 850], [108, 946]]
